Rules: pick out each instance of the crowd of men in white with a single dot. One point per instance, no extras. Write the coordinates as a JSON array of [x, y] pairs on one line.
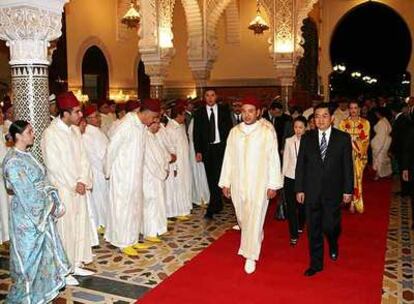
[[95, 157]]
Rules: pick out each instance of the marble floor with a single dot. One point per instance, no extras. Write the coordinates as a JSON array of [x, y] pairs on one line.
[[121, 279]]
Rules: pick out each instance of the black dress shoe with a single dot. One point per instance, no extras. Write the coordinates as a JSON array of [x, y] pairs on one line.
[[334, 253], [311, 272]]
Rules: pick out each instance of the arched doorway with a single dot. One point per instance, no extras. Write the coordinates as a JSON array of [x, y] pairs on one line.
[[367, 59], [95, 79], [144, 83], [306, 82]]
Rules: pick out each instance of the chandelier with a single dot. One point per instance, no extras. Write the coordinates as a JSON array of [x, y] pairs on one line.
[[258, 25], [132, 16]]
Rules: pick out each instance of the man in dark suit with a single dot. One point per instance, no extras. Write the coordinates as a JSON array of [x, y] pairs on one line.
[[324, 179], [236, 117], [411, 108], [400, 127], [279, 121], [408, 166], [212, 124]]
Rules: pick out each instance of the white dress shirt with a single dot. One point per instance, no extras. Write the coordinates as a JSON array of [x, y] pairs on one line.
[[327, 135], [215, 111], [237, 117], [290, 155]]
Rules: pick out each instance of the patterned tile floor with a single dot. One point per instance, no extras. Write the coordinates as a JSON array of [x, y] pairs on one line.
[[121, 279], [398, 283]]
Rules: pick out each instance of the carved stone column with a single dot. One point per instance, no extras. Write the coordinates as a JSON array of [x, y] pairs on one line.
[[155, 44], [201, 72], [28, 27], [156, 67]]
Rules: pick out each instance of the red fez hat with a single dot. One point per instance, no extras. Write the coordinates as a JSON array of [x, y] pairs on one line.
[[102, 102], [179, 108], [251, 100], [131, 105], [121, 106], [67, 101], [181, 102], [89, 109], [153, 105]]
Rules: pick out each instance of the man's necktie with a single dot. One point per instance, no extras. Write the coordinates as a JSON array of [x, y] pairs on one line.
[[212, 127], [324, 146], [238, 119]]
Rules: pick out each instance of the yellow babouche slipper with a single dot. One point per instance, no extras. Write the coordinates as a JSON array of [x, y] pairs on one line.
[[130, 251], [141, 246], [170, 222], [183, 218], [153, 239], [101, 230]]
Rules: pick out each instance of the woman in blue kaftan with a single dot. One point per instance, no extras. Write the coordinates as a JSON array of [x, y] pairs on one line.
[[38, 263]]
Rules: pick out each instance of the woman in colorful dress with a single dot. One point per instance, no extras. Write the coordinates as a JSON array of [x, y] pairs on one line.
[[359, 130], [38, 263]]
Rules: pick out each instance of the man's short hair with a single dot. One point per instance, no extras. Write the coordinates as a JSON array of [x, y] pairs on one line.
[[210, 89], [354, 101], [397, 107], [175, 111], [62, 112], [324, 105], [276, 105]]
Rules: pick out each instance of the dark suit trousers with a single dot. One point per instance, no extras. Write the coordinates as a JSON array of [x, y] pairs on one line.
[[323, 217], [213, 161], [295, 211], [405, 186]]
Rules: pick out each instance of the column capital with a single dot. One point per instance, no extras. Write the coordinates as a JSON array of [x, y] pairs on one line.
[[28, 26], [201, 70]]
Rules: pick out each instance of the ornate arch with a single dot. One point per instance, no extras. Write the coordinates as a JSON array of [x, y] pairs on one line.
[[304, 8], [215, 8], [86, 44], [195, 28], [232, 23]]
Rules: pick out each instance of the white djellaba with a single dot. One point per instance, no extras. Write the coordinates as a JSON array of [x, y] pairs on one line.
[[179, 193], [249, 171], [200, 193], [156, 165]]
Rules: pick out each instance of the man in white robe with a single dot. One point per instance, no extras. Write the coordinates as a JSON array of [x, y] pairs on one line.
[[107, 117], [121, 111], [179, 182], [200, 192], [96, 144], [53, 109], [251, 175], [124, 166], [70, 172], [155, 173]]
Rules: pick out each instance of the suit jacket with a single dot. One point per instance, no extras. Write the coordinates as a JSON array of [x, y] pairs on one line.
[[234, 119], [201, 127], [280, 123], [408, 151], [325, 180], [399, 131]]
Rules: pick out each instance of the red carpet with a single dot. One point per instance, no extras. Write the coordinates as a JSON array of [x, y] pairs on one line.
[[217, 276]]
